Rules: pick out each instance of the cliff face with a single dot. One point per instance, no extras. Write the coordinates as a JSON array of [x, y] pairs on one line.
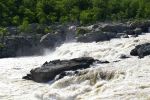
[[13, 46]]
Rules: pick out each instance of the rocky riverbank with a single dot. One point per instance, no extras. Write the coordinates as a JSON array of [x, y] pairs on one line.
[[35, 42]]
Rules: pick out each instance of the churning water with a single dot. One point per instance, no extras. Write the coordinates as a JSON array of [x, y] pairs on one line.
[[121, 79]]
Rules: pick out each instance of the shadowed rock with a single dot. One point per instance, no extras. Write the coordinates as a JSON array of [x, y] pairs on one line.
[[20, 46], [123, 56], [115, 28], [96, 36], [141, 50], [144, 25], [49, 70], [50, 40]]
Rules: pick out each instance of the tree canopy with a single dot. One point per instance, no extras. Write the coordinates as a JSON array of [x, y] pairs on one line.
[[20, 12]]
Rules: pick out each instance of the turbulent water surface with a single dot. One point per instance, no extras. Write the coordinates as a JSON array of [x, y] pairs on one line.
[[124, 79]]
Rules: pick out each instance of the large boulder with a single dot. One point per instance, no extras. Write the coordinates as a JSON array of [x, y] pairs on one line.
[[50, 40], [49, 70], [96, 36], [134, 32], [141, 50], [12, 30], [116, 28], [138, 31], [130, 32], [144, 25]]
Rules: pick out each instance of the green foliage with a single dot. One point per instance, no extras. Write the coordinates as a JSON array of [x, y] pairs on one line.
[[3, 32], [86, 17], [47, 30], [64, 19], [14, 12], [25, 25], [1, 46], [15, 20]]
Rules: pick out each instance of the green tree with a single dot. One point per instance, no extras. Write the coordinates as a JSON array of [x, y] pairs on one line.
[[13, 12], [25, 25], [86, 17], [3, 33], [16, 20]]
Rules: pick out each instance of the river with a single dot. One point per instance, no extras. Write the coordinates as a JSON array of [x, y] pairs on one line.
[[130, 79]]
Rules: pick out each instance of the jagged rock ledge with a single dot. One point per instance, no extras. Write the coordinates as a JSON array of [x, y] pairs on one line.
[[49, 70]]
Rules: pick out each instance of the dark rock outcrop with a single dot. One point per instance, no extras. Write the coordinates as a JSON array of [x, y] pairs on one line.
[[28, 45], [144, 25], [33, 41], [116, 28], [50, 40], [138, 31], [100, 36], [96, 36], [130, 32], [20, 46], [141, 50], [49, 70]]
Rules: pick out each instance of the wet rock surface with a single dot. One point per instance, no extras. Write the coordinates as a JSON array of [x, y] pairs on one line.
[[50, 40], [144, 25], [141, 50], [96, 36], [116, 28], [49, 70]]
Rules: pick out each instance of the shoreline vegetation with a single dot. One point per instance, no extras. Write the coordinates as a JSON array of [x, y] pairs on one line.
[[24, 12]]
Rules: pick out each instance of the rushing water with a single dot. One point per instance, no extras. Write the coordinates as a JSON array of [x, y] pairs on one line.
[[127, 79]]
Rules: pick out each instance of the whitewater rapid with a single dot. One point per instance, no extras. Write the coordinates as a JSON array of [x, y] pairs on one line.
[[126, 79]]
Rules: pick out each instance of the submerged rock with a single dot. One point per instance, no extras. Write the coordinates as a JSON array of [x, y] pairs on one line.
[[141, 50], [49, 70], [123, 56]]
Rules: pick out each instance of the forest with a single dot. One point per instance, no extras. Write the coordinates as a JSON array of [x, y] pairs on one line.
[[23, 12]]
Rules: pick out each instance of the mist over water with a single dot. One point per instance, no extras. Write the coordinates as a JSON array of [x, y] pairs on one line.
[[127, 79]]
